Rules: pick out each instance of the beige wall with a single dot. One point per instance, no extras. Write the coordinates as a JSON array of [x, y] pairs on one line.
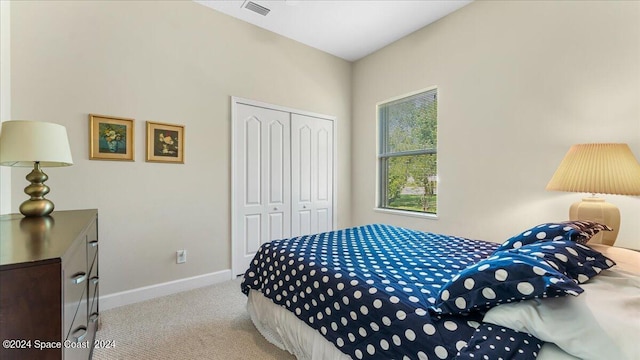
[[519, 82], [165, 61]]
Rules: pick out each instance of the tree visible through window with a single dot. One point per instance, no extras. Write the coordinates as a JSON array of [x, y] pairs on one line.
[[408, 153]]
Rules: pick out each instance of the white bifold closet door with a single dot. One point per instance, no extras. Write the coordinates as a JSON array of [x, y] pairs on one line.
[[311, 175], [283, 178], [263, 195]]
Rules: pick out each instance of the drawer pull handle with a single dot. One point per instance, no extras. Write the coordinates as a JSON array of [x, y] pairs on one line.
[[93, 243], [94, 280], [79, 278], [82, 331], [94, 317]]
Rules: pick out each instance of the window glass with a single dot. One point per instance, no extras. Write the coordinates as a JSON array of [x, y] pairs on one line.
[[408, 153]]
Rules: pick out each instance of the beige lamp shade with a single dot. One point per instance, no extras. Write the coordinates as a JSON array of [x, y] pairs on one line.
[[24, 142], [598, 169], [34, 144]]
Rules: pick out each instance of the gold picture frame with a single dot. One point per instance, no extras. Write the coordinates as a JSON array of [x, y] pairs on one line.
[[165, 142], [111, 138]]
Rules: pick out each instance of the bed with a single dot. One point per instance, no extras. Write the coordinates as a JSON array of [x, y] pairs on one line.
[[384, 292]]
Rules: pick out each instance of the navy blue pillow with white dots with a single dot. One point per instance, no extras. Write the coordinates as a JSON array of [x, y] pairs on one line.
[[578, 231], [577, 261], [502, 278], [493, 342], [539, 233]]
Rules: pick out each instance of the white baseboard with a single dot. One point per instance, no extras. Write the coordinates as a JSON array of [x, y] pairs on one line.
[[153, 291]]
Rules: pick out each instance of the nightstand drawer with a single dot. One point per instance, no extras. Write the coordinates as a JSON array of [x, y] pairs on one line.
[[74, 279], [93, 291], [92, 251], [92, 244], [80, 338], [94, 314], [79, 331]]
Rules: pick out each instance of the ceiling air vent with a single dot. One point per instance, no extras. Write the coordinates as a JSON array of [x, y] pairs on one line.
[[256, 8]]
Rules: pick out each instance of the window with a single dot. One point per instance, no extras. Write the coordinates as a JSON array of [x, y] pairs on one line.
[[407, 155]]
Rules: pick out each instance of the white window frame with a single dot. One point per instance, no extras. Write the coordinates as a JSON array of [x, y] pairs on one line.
[[379, 175]]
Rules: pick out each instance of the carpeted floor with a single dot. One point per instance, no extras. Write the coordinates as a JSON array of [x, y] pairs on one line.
[[206, 323]]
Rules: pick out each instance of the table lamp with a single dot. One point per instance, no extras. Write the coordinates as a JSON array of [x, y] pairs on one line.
[[598, 169], [34, 144]]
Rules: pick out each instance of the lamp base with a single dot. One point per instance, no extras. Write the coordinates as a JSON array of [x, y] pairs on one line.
[[41, 207], [37, 205], [596, 209]]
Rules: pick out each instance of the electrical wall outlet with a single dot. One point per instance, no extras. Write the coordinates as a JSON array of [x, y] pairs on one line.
[[181, 256]]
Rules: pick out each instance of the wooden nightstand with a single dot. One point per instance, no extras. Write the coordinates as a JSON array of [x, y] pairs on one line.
[[626, 259]]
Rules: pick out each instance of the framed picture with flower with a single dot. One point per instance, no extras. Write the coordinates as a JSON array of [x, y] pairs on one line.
[[111, 138], [165, 142]]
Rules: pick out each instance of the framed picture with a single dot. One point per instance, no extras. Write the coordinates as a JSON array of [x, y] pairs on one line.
[[111, 138], [165, 142]]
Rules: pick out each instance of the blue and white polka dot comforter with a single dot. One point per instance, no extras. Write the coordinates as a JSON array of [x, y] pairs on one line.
[[368, 290]]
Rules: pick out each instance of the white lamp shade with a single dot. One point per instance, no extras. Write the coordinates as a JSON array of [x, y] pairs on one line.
[[23, 142]]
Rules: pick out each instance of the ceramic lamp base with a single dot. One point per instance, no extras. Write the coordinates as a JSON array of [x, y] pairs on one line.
[[596, 209]]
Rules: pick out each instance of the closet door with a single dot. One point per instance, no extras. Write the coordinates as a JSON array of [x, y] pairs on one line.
[[311, 175], [262, 192]]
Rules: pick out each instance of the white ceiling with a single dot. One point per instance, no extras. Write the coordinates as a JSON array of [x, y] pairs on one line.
[[349, 29]]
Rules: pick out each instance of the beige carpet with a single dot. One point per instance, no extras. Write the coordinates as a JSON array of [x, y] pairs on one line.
[[206, 323]]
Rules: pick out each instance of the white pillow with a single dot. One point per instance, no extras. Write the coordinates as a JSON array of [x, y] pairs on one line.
[[602, 323]]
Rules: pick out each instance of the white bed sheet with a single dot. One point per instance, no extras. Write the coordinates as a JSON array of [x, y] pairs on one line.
[[601, 323], [283, 329]]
